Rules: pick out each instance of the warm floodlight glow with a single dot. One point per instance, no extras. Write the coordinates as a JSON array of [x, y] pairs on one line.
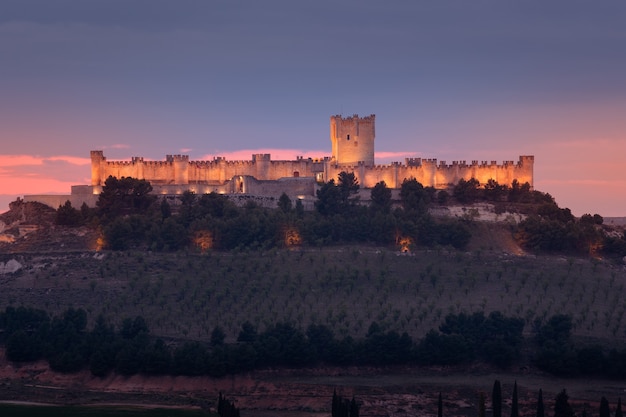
[[100, 242], [203, 239], [292, 237], [405, 244]]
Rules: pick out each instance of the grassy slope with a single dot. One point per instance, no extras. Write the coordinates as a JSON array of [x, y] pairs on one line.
[[186, 295]]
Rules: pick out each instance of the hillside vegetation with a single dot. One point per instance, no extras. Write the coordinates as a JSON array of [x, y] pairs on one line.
[[206, 264]]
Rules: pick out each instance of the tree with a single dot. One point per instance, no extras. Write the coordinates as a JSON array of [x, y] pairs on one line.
[[284, 203], [328, 199], [514, 404], [226, 408], [381, 197], [540, 407], [217, 336], [481, 404], [166, 210], [496, 399], [618, 410], [248, 333], [439, 406], [413, 196], [126, 195], [299, 209], [68, 215], [562, 408], [348, 187], [354, 408], [494, 191], [466, 191], [604, 408]]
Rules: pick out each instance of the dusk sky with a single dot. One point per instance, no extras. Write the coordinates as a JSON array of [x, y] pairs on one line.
[[452, 80]]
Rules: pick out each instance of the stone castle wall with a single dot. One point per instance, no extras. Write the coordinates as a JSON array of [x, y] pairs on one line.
[[352, 141]]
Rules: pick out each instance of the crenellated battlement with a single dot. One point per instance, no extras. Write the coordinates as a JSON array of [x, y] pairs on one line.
[[352, 140], [177, 158]]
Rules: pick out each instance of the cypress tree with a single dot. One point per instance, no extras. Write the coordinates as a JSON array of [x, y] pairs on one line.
[[496, 399], [618, 411], [354, 408], [481, 405], [604, 408], [540, 408], [440, 406], [514, 406]]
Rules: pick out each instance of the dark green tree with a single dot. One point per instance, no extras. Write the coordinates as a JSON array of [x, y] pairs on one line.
[[514, 402], [124, 196], [166, 209], [496, 399], [354, 408], [562, 407], [248, 333], [284, 203], [348, 187], [604, 408], [466, 191], [494, 191], [381, 197], [217, 336], [414, 196], [440, 406], [68, 215], [481, 404], [299, 209], [541, 412], [328, 199]]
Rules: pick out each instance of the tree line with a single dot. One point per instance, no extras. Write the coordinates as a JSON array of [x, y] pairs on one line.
[[65, 342], [129, 216]]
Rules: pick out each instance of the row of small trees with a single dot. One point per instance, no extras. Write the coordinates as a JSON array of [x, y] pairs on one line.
[[67, 344], [341, 407], [562, 407]]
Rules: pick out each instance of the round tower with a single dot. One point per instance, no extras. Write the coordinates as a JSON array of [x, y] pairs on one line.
[[352, 139]]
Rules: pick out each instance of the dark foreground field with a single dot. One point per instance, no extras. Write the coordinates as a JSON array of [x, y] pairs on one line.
[[304, 393]]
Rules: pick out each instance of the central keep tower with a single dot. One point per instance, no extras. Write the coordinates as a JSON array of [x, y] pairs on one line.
[[352, 139]]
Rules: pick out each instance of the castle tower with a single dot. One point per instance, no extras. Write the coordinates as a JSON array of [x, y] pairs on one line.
[[180, 168], [97, 160], [352, 140]]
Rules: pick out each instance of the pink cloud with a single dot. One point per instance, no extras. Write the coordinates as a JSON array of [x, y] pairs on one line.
[[27, 174], [277, 154], [386, 157]]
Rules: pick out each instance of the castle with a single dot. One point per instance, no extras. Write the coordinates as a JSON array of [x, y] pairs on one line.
[[352, 142]]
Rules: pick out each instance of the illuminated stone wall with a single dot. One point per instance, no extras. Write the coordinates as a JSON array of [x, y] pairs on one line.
[[352, 140]]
